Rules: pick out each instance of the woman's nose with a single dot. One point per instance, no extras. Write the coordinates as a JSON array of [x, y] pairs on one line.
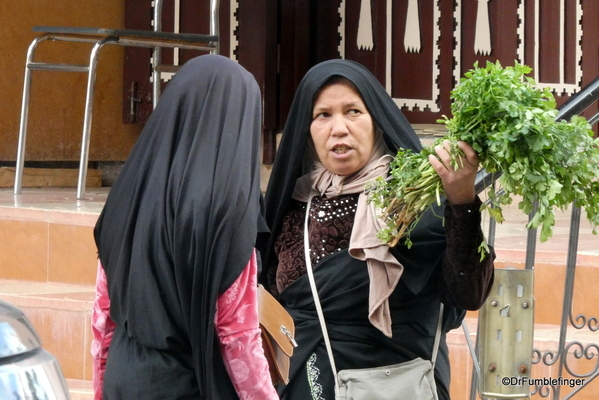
[[339, 126]]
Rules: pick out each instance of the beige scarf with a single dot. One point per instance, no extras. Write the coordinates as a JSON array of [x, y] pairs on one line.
[[383, 269]]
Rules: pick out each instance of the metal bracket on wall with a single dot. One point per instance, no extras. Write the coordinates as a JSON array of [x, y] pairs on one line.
[[506, 332]]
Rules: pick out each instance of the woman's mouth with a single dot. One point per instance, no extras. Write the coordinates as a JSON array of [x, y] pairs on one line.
[[341, 149]]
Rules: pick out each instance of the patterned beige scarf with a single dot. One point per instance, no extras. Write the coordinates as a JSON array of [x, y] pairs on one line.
[[383, 269]]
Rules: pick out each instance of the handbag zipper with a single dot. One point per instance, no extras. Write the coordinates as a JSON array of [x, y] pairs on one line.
[[287, 333]]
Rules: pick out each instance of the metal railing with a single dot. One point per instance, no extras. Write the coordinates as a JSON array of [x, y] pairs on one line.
[[555, 358]]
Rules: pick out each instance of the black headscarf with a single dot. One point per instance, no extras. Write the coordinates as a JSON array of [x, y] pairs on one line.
[[289, 161], [180, 222]]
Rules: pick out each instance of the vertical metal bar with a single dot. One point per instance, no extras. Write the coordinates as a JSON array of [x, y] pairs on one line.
[[492, 231], [25, 115], [177, 29], [531, 240], [472, 349], [214, 24], [156, 54], [476, 372], [87, 119], [568, 287]]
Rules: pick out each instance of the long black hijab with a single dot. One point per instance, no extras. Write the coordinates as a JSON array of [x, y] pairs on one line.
[[179, 225], [290, 159]]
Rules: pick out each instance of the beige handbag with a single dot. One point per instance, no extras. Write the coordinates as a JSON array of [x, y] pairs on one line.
[[412, 380], [278, 332]]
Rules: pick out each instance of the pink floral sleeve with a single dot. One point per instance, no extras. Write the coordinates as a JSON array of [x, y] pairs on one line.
[[239, 335], [102, 329]]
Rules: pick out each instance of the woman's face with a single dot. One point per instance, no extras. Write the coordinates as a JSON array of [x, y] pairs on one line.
[[342, 129]]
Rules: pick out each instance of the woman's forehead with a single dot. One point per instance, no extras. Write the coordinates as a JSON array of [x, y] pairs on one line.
[[337, 84]]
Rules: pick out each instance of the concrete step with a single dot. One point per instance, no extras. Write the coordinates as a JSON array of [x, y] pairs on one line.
[[43, 239], [61, 314], [80, 389]]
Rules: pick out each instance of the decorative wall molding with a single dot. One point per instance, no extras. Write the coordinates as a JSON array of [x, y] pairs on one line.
[[457, 38], [482, 35], [411, 38], [411, 104], [432, 104], [341, 30], [365, 40], [233, 24], [520, 34], [562, 87], [483, 45]]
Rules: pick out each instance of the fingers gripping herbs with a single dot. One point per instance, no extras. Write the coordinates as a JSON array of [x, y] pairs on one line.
[[512, 126]]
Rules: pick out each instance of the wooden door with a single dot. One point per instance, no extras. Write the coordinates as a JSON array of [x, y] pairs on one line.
[[247, 34]]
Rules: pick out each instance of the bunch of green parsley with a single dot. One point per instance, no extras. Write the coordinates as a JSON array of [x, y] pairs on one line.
[[512, 126]]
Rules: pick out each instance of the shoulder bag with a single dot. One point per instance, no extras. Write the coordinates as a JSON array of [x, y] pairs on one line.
[[412, 380], [278, 331]]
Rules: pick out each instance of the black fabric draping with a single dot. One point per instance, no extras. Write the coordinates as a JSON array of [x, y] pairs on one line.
[[178, 227], [343, 289]]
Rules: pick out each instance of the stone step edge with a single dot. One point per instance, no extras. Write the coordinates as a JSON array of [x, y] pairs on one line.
[[50, 295], [80, 389]]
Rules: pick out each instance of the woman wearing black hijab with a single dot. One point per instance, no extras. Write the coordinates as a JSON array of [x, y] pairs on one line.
[[176, 242], [381, 305]]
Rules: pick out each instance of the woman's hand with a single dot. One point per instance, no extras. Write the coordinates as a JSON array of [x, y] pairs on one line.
[[458, 183]]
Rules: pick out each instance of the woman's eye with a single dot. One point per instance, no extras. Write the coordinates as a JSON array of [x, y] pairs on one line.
[[353, 112], [321, 115]]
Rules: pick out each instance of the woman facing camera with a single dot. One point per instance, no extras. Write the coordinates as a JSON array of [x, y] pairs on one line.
[[381, 305]]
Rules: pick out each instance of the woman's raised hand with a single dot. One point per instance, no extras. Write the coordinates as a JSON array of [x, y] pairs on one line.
[[458, 182]]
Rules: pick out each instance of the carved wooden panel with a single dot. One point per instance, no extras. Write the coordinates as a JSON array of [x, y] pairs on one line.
[[418, 49]]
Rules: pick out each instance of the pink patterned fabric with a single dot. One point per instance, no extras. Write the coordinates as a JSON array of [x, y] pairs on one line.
[[102, 329], [239, 336], [236, 327]]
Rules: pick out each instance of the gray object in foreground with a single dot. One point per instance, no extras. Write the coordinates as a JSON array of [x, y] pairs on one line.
[[27, 371]]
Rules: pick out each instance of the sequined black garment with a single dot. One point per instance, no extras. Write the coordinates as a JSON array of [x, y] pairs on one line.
[[331, 222]]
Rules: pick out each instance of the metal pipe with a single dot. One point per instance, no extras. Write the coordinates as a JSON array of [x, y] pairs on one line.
[[38, 66], [214, 28], [579, 102], [124, 41], [87, 120], [24, 115], [156, 54], [531, 239], [568, 287]]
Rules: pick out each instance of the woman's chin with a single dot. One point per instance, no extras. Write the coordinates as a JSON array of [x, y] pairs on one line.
[[343, 171]]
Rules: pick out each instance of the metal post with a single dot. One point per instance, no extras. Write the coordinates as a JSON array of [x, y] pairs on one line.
[[87, 119], [156, 54], [531, 240], [568, 288], [24, 115], [214, 24]]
